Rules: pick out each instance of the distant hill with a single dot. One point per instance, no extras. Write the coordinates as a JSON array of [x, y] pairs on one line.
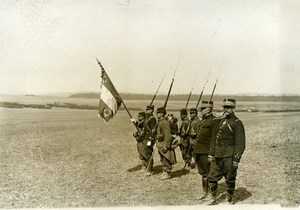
[[183, 97]]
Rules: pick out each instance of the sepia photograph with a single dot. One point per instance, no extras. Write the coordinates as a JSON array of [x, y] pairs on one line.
[[148, 104]]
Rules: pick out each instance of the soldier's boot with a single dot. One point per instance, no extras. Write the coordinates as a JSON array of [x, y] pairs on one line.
[[213, 188], [205, 188], [230, 191], [188, 166], [185, 163], [148, 173], [165, 176], [143, 170]]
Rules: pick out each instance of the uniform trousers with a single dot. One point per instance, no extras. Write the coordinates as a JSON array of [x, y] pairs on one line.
[[145, 153], [202, 164], [222, 167], [166, 164], [185, 149]]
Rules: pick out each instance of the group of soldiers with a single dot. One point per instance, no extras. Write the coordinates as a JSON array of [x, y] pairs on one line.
[[215, 143]]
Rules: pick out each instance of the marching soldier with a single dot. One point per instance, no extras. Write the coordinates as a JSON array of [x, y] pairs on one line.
[[201, 143], [150, 131], [184, 143], [144, 151], [140, 136], [164, 144], [194, 126], [227, 148]]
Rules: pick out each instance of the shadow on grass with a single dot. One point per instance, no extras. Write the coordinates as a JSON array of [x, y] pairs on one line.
[[136, 168], [156, 169], [240, 194], [179, 173]]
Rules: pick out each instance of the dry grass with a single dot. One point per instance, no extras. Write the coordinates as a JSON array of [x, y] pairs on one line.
[[70, 158]]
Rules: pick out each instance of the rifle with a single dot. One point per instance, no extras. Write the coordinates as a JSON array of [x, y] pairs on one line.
[[157, 90], [165, 105], [212, 94], [188, 100], [203, 89]]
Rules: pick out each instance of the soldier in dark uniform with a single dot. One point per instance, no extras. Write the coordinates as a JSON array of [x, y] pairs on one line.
[[144, 151], [173, 123], [195, 122], [164, 143], [201, 143], [184, 143], [150, 131], [227, 148]]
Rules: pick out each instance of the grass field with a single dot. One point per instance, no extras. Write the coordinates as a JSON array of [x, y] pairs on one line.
[[70, 158]]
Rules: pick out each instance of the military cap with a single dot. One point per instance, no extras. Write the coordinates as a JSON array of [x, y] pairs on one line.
[[183, 112], [207, 104], [192, 110], [228, 102], [142, 114], [150, 107], [161, 110]]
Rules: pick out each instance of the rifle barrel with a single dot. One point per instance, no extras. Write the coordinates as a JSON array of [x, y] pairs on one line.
[[212, 94], [199, 99], [166, 102], [157, 90]]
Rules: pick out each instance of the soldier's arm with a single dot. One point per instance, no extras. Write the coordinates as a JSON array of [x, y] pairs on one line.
[[194, 129], [167, 134], [152, 126], [186, 128], [215, 129], [240, 139]]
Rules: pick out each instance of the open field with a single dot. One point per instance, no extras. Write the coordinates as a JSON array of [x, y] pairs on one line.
[[70, 158], [174, 105]]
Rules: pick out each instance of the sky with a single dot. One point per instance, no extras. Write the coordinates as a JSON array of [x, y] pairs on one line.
[[249, 46]]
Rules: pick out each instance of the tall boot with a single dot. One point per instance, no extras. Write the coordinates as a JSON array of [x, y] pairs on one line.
[[213, 186], [204, 187], [230, 191]]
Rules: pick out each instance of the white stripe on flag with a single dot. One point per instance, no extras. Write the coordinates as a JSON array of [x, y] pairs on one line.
[[109, 99]]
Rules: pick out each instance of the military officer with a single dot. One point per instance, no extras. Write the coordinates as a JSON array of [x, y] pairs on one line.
[[227, 148], [201, 143], [184, 143], [164, 143]]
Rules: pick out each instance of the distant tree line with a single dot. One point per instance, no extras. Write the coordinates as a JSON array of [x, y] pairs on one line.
[[194, 97]]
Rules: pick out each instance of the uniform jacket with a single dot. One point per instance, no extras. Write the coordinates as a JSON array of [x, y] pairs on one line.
[[184, 131], [150, 126], [164, 129], [142, 147], [204, 134], [228, 137], [195, 122], [140, 125]]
